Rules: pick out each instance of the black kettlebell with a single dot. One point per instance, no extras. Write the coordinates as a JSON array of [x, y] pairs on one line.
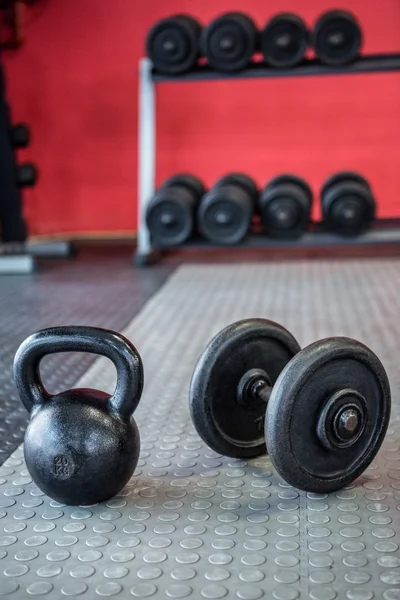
[[81, 446]]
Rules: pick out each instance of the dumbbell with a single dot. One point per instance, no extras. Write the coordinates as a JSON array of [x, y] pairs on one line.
[[337, 37], [321, 412], [285, 206], [81, 446], [284, 40], [20, 135], [173, 44], [229, 42], [225, 212], [171, 214], [348, 204], [26, 175]]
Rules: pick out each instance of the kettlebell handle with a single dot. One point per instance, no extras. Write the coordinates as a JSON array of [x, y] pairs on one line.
[[94, 340]]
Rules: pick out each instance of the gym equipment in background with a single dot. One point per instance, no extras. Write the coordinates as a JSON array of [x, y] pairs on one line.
[[321, 412], [173, 44], [225, 212], [20, 135], [337, 37], [12, 223], [26, 175], [348, 204], [81, 446], [285, 206], [284, 40], [171, 214], [229, 42]]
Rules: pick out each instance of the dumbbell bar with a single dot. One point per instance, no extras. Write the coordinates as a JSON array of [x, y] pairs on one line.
[[230, 41]]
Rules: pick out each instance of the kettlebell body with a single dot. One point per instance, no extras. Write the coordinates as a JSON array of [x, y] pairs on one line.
[[81, 446]]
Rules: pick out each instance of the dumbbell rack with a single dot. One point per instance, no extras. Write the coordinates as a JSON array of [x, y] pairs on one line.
[[385, 231]]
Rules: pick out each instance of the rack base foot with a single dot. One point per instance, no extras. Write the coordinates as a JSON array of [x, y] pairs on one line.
[[51, 249], [17, 264], [146, 260]]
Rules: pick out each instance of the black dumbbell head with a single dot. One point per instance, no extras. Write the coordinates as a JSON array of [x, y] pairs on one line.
[[284, 40], [20, 135], [344, 177], [225, 213], [26, 175], [222, 419], [291, 179], [173, 44], [170, 215], [348, 205], [242, 180], [285, 207], [190, 182], [327, 415], [229, 42], [337, 37]]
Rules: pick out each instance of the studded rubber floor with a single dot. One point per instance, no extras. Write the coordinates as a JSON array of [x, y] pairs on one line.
[[191, 523]]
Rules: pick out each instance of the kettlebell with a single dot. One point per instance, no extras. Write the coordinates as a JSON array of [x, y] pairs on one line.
[[81, 446]]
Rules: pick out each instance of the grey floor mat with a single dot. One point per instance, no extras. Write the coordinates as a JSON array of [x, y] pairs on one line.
[[192, 523]]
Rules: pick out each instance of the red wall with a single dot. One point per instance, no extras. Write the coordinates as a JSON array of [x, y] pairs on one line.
[[75, 81]]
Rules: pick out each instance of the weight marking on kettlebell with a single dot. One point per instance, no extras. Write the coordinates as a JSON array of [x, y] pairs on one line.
[[63, 466]]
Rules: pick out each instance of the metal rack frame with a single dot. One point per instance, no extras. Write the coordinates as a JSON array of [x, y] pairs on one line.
[[147, 253]]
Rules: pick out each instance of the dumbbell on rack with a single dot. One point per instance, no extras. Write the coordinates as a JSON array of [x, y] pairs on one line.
[[26, 175], [284, 40], [285, 207], [337, 37], [348, 203], [229, 42], [226, 211], [20, 135], [173, 44], [171, 214]]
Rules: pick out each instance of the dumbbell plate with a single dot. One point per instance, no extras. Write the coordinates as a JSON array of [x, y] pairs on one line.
[[303, 417], [242, 180], [291, 180], [229, 41], [337, 37], [226, 425], [172, 44], [170, 222], [344, 176], [192, 183], [284, 40]]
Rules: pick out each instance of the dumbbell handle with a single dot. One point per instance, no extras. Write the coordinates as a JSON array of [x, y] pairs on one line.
[[261, 391]]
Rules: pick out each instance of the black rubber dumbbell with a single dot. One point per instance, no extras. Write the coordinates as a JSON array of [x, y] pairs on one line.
[[81, 446], [348, 204], [26, 175], [20, 135], [229, 42], [337, 37], [173, 44], [285, 206], [321, 412], [171, 214], [284, 40], [225, 212]]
